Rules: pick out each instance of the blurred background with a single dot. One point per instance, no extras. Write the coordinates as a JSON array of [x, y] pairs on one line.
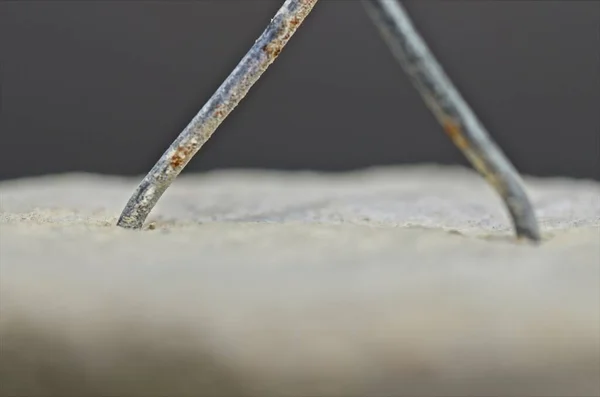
[[105, 86]]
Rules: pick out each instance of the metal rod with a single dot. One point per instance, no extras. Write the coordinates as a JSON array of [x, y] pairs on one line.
[[452, 111], [264, 51]]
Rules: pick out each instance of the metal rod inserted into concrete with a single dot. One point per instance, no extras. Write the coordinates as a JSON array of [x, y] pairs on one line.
[[264, 51], [452, 112]]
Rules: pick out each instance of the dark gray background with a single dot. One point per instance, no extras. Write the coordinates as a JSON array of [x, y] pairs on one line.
[[105, 86]]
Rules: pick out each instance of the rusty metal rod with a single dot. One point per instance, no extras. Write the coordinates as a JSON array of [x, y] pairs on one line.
[[264, 51], [452, 111]]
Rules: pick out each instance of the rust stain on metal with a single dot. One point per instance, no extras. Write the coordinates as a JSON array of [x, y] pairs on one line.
[[272, 49], [219, 111], [288, 27], [181, 155], [454, 131]]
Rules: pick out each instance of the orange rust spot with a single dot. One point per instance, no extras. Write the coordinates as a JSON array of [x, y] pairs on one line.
[[219, 111], [454, 131], [295, 21], [180, 156], [272, 50]]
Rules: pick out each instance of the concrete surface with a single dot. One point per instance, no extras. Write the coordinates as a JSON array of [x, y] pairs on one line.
[[399, 281]]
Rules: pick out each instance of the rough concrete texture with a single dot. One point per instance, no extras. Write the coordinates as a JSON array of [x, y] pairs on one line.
[[400, 281]]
